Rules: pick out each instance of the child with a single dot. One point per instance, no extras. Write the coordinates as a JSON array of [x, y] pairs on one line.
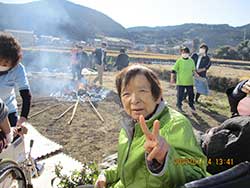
[[184, 68], [13, 75]]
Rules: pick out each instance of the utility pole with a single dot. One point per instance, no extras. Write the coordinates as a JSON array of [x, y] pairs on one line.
[[244, 35]]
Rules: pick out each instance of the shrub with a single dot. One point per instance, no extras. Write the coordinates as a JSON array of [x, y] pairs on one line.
[[87, 175]]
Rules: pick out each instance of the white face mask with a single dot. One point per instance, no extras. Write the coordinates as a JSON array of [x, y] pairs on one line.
[[185, 55], [4, 68], [202, 51]]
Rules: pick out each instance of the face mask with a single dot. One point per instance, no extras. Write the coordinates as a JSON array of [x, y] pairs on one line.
[[244, 106], [185, 55], [202, 51], [3, 68]]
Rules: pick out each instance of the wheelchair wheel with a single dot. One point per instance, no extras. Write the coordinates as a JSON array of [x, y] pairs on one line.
[[11, 175]]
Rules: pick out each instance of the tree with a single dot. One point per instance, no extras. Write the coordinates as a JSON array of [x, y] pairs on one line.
[[244, 50], [226, 52]]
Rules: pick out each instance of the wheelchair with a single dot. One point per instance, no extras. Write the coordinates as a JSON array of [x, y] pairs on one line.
[[237, 176], [16, 167]]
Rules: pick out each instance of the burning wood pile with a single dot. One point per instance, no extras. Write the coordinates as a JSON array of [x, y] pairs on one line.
[[80, 89], [78, 92]]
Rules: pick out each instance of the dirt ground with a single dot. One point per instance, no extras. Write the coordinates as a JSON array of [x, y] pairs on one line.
[[88, 139]]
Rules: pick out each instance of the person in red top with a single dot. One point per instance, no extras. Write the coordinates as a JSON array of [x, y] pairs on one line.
[[76, 70]]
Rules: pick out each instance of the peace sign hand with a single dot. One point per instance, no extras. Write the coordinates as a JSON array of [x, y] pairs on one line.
[[155, 145]]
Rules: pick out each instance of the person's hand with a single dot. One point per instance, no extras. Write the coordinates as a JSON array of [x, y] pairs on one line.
[[20, 130], [155, 145], [246, 87], [101, 181], [201, 70], [20, 121], [196, 74], [172, 83]]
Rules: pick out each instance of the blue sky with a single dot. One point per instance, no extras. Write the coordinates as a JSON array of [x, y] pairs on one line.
[[131, 13]]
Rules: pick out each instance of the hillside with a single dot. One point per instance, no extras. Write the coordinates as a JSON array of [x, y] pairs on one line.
[[59, 18], [62, 18], [213, 35]]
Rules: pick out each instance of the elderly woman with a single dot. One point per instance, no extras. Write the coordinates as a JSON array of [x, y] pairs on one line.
[[157, 147]]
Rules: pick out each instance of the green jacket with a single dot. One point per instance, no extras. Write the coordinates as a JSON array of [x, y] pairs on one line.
[[184, 162]]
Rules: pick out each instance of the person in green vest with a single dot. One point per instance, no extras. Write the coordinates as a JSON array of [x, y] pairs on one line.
[[156, 147], [184, 68]]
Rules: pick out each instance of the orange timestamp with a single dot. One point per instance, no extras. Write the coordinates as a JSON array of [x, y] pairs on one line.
[[187, 161], [220, 161], [210, 161]]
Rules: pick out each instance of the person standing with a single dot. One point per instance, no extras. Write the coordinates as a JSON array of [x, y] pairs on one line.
[[83, 59], [184, 68], [100, 60], [202, 64], [75, 63], [13, 75], [122, 60]]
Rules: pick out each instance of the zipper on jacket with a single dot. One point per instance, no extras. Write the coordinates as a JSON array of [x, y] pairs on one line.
[[127, 152]]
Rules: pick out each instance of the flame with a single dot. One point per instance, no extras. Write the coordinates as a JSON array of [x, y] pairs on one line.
[[80, 86]]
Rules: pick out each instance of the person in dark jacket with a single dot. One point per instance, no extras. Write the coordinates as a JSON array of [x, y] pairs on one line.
[[122, 60], [100, 60], [202, 64], [83, 59], [236, 94]]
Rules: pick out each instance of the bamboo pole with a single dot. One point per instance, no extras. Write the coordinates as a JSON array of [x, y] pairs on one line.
[[74, 111], [62, 114], [49, 107], [95, 110]]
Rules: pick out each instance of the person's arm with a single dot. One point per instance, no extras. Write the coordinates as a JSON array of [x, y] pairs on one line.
[[184, 161], [208, 64], [195, 73], [105, 58], [235, 95], [174, 72], [26, 102], [172, 75], [110, 176], [24, 89]]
